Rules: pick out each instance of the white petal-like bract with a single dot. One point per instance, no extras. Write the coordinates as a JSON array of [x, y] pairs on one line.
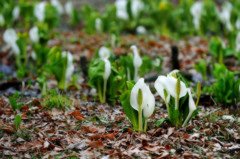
[[238, 42], [104, 53], [136, 7], [98, 25], [10, 37], [39, 11], [70, 64], [191, 105], [141, 30], [146, 94], [238, 24], [161, 85], [137, 60], [33, 33], [121, 6], [107, 69], [16, 12], [68, 8], [58, 5], [225, 15], [2, 20], [196, 11]]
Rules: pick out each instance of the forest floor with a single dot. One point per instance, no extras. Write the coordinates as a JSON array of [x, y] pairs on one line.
[[89, 129]]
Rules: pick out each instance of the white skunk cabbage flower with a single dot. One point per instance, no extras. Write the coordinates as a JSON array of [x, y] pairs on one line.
[[16, 12], [33, 33], [39, 11], [70, 64], [107, 69], [157, 62], [225, 15], [2, 20], [161, 85], [10, 37], [148, 101], [196, 11], [106, 76], [98, 25], [192, 107], [238, 24], [149, 108], [34, 55], [238, 42], [136, 7], [141, 30], [104, 53], [121, 6], [167, 86], [58, 5], [137, 61], [68, 8]]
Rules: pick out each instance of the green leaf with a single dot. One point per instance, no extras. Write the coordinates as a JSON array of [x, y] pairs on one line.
[[96, 71], [13, 103], [116, 83], [146, 66], [17, 121], [131, 113], [16, 94], [130, 84], [201, 67], [160, 122], [127, 62]]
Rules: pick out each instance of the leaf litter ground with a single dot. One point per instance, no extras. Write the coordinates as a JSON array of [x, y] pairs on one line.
[[93, 130]]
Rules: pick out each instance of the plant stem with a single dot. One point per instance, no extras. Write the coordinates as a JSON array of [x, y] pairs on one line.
[[140, 118], [104, 90], [61, 83], [100, 92], [145, 125], [135, 74]]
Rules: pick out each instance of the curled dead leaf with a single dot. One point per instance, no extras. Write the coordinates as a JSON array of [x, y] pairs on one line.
[[96, 144]]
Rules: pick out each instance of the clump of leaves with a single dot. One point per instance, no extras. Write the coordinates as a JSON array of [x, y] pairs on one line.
[[18, 43], [178, 98], [219, 50], [54, 100], [42, 81], [108, 78], [109, 88], [39, 36], [13, 102], [138, 103], [201, 67], [60, 64], [17, 121], [51, 16], [74, 16], [226, 89]]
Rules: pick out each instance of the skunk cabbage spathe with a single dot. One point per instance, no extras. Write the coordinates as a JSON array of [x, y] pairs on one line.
[[225, 15], [104, 53], [137, 61], [142, 99], [33, 33], [196, 11], [10, 37], [39, 11], [58, 5]]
